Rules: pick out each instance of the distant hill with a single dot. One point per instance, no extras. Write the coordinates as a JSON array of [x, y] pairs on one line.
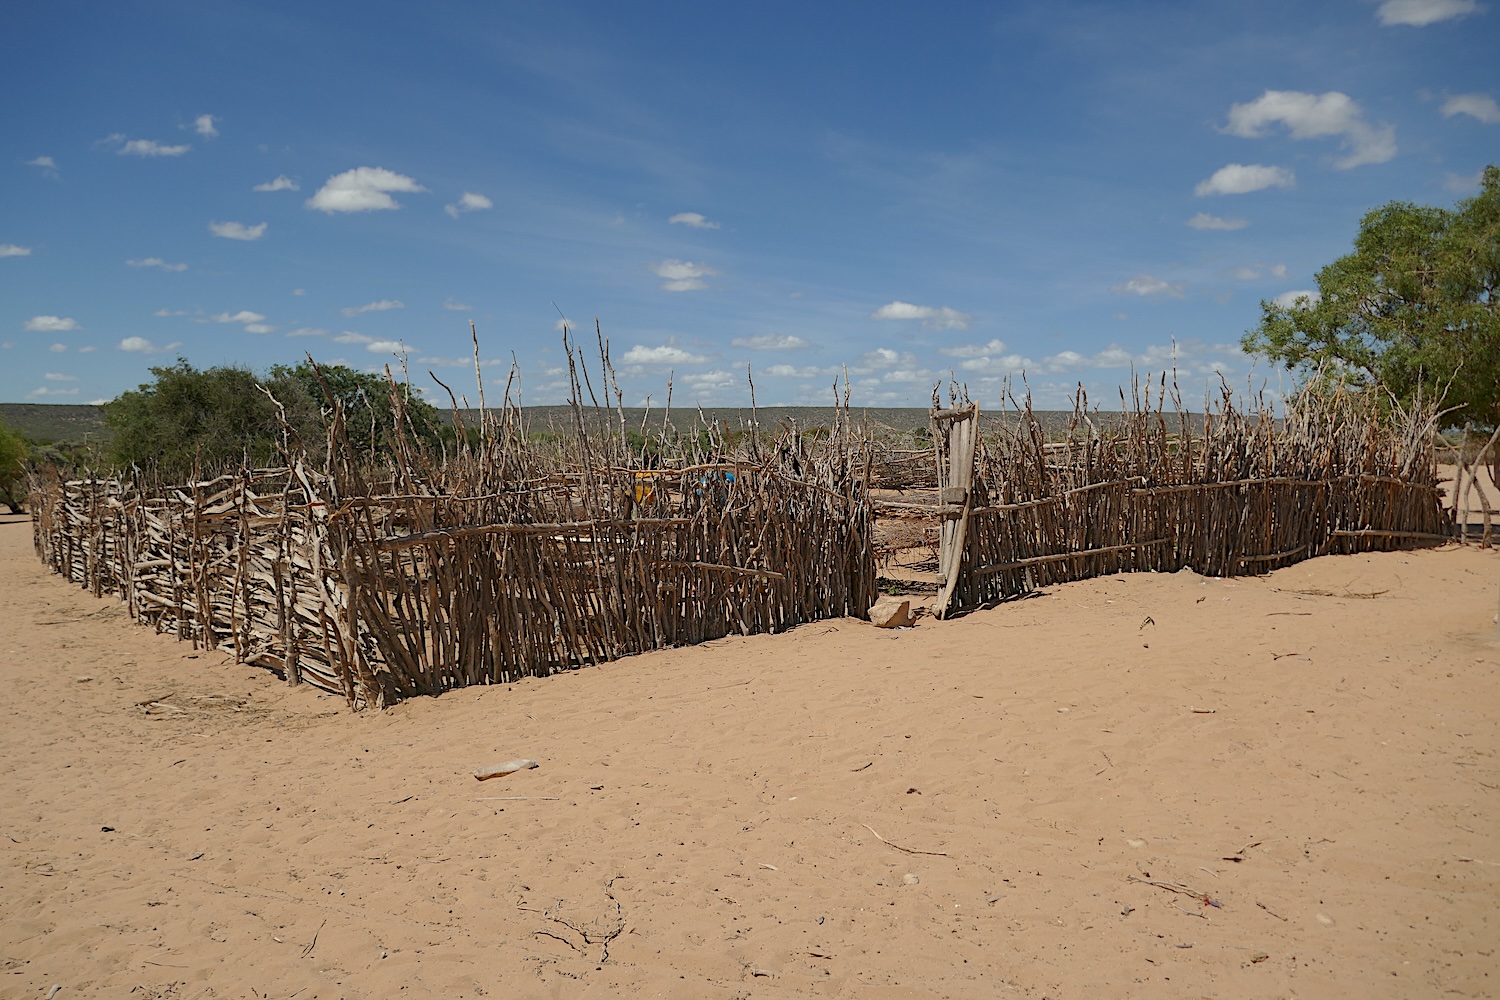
[[75, 423], [56, 423], [71, 423], [902, 420], [560, 418]]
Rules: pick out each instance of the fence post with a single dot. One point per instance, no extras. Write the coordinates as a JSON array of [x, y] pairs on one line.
[[960, 432]]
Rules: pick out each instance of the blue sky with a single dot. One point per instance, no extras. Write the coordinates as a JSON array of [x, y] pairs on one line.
[[907, 192]]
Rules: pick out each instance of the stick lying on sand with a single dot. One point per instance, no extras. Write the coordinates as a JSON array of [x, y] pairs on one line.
[[1177, 887], [908, 850]]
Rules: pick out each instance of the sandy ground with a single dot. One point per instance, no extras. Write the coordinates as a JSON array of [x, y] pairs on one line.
[[1310, 756]]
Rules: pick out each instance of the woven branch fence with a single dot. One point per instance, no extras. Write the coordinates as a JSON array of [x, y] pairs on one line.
[[239, 563], [503, 560], [518, 555], [1224, 494], [385, 597]]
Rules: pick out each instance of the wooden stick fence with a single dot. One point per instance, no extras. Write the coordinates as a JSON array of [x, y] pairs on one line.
[[503, 558], [500, 561], [1235, 494], [238, 563]]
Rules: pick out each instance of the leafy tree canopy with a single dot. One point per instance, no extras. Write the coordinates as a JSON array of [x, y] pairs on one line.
[[187, 421], [12, 469], [1416, 305], [369, 414]]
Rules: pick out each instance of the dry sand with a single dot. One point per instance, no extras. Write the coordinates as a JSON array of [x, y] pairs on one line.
[[1314, 751]]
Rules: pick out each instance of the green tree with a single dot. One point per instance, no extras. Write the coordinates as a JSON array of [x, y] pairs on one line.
[[188, 422], [12, 469], [1416, 305], [369, 415]]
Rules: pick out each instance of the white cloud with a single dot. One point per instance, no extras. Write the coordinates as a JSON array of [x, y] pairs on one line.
[[1213, 222], [1242, 178], [12, 250], [1420, 13], [164, 312], [1481, 107], [350, 337], [880, 359], [204, 126], [386, 347], [237, 230], [281, 183], [995, 364], [140, 345], [711, 381], [682, 275], [1068, 360], [974, 350], [148, 147], [1316, 116], [562, 323], [453, 305], [307, 331], [1287, 300], [1191, 357], [469, 202], [46, 164], [770, 342], [45, 391], [1145, 284], [59, 377], [1254, 272], [243, 316], [792, 371], [253, 322], [1463, 183], [156, 262], [363, 189], [442, 361], [936, 317], [666, 354], [51, 324], [902, 310], [58, 348], [87, 349], [910, 373], [384, 305], [692, 220]]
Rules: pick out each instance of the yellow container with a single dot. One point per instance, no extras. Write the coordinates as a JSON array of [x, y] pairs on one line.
[[645, 487]]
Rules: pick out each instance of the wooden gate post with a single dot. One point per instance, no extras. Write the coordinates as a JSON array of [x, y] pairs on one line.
[[958, 430]]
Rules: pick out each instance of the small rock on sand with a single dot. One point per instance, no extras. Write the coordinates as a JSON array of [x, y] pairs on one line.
[[891, 612]]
